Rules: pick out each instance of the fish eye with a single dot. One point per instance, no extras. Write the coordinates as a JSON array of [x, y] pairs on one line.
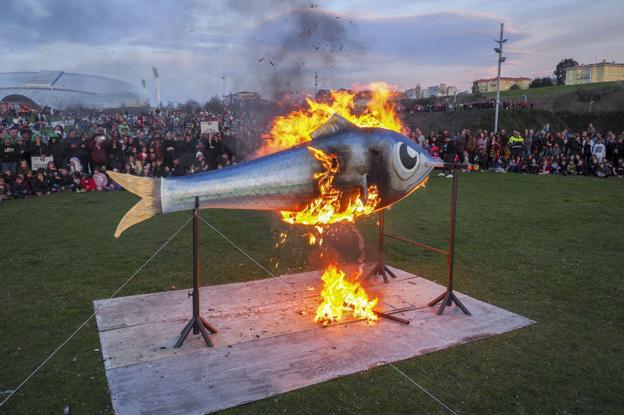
[[405, 160]]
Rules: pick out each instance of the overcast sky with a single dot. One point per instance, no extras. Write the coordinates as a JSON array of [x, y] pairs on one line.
[[273, 46]]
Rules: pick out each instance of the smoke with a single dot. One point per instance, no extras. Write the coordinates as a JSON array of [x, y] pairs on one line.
[[288, 47]]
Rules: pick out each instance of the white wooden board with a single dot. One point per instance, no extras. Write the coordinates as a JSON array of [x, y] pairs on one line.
[[268, 342]]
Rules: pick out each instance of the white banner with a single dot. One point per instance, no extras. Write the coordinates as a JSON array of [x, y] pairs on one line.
[[40, 162], [209, 127]]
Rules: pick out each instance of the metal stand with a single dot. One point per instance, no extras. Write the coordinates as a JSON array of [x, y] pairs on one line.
[[197, 322], [448, 297], [380, 267]]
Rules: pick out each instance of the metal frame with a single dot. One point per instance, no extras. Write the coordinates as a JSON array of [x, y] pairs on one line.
[[197, 322], [448, 297]]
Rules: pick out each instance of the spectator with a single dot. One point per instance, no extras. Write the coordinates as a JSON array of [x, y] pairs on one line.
[[19, 188], [9, 155], [87, 184], [40, 185], [599, 150], [100, 180]]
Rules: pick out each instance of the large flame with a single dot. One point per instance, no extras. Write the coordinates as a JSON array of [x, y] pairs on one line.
[[296, 127], [340, 295], [332, 205], [343, 297]]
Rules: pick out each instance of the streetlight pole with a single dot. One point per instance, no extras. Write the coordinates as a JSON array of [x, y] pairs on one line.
[[501, 59], [157, 76], [223, 95]]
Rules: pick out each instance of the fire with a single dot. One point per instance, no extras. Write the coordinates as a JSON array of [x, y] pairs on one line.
[[296, 127], [341, 296], [332, 205]]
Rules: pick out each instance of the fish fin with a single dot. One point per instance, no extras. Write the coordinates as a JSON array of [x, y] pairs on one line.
[[148, 189], [333, 125]]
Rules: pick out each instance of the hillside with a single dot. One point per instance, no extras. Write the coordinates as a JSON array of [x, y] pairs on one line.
[[603, 96], [514, 119]]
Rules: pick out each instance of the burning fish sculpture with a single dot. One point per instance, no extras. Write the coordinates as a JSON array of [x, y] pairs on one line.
[[358, 169]]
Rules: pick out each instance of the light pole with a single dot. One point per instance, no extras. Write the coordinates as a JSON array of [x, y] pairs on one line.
[[223, 95], [501, 59], [157, 76]]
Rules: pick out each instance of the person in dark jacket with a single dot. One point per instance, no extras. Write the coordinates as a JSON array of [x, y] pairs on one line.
[[19, 188], [9, 156], [116, 157], [71, 145], [55, 149], [65, 181], [38, 148], [40, 184]]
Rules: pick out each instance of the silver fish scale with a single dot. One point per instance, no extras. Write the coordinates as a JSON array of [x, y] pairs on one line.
[[282, 181]]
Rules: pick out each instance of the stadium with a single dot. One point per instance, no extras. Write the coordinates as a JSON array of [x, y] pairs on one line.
[[63, 90]]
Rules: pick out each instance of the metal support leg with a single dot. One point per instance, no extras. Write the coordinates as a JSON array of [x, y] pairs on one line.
[[448, 297], [197, 322], [380, 267]]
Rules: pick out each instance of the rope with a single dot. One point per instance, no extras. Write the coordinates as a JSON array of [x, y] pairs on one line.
[[92, 315], [405, 375], [239, 249]]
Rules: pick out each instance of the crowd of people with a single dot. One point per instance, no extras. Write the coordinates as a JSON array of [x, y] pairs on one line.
[[73, 153], [567, 153], [467, 106]]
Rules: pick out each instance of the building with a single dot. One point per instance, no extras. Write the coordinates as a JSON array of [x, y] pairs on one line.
[[244, 99], [489, 85], [441, 90], [595, 72], [414, 93], [62, 90]]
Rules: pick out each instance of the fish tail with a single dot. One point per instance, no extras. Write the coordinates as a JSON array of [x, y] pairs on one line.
[[148, 189]]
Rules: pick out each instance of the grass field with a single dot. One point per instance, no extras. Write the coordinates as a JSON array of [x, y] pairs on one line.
[[549, 248], [554, 90]]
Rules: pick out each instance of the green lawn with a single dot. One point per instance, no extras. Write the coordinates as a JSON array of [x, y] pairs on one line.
[[553, 90], [548, 248]]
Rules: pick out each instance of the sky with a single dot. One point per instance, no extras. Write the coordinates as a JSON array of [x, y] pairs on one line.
[[277, 46]]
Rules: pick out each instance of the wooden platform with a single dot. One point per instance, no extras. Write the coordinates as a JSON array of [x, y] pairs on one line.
[[268, 342]]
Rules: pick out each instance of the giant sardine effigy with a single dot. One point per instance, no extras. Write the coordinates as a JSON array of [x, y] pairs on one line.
[[287, 180]]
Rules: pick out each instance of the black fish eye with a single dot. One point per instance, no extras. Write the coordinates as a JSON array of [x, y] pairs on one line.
[[408, 161]]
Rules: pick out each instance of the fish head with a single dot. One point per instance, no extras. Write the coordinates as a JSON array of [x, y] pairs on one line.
[[406, 165]]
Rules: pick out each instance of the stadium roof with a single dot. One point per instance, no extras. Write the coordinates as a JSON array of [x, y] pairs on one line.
[[62, 90]]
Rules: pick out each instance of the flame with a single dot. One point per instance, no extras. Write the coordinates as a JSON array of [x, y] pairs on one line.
[[296, 127], [341, 296], [332, 205]]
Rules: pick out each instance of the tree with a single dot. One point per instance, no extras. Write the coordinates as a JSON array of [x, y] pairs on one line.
[[561, 67], [541, 82], [190, 106], [475, 87], [214, 105], [514, 86]]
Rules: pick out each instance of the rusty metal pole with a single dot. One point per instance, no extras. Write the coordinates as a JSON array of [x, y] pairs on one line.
[[380, 241], [451, 247], [196, 264], [448, 297], [198, 324]]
